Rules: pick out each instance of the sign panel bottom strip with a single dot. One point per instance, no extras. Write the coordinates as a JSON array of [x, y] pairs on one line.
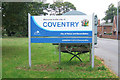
[[61, 40]]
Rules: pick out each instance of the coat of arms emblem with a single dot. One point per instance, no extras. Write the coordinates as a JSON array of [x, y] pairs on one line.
[[85, 22]]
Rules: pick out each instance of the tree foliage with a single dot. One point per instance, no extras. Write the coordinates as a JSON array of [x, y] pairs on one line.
[[109, 14], [119, 10], [15, 16], [59, 8]]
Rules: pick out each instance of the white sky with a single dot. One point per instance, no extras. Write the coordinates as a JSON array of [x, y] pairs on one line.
[[92, 6]]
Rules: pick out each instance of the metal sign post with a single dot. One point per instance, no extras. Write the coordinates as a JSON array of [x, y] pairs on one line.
[[29, 36], [117, 17], [59, 53], [93, 40]]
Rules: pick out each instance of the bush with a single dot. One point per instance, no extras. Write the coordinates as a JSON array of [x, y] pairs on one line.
[[101, 68], [108, 34]]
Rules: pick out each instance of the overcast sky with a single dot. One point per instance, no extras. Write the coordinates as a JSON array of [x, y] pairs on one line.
[[92, 6], [86, 6]]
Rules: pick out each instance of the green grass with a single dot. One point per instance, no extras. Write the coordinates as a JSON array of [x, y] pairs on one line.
[[45, 62]]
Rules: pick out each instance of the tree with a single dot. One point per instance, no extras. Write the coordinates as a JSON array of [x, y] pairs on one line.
[[67, 6], [59, 7], [109, 14], [15, 16], [119, 10]]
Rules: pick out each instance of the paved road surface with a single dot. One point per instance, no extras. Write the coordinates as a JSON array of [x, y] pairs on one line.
[[107, 49]]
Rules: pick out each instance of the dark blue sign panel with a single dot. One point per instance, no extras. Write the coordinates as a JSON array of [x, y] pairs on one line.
[[61, 40]]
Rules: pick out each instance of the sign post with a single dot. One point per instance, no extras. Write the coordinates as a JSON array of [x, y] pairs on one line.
[[59, 53], [29, 36], [118, 17], [93, 34]]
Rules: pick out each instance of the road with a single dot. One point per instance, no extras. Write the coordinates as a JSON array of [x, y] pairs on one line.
[[107, 49]]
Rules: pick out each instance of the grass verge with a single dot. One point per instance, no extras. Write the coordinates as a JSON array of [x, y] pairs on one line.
[[45, 58]]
